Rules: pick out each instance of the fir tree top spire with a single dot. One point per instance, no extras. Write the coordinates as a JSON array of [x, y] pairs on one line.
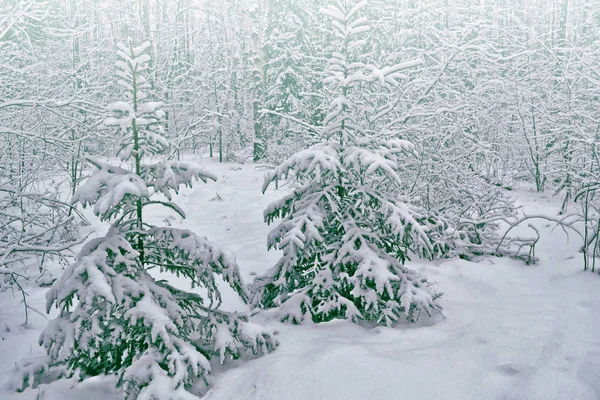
[[139, 123], [346, 74]]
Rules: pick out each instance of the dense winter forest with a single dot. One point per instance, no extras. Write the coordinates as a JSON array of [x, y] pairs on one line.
[[395, 189]]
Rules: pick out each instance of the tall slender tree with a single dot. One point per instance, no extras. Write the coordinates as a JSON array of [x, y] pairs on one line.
[[115, 317]]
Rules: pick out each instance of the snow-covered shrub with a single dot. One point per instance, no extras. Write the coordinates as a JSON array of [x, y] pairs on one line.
[[344, 238], [468, 206], [37, 230], [116, 318]]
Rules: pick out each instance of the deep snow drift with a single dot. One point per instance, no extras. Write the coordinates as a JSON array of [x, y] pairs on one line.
[[508, 330]]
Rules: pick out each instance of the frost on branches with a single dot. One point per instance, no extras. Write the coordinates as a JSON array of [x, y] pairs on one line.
[[115, 318], [344, 237]]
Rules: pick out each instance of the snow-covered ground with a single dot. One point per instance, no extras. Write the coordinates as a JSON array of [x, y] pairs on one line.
[[508, 330]]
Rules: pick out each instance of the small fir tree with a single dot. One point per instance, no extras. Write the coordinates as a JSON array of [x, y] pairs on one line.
[[344, 238], [116, 318]]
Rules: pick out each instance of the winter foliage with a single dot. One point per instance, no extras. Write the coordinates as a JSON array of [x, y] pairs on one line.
[[389, 131], [344, 240], [115, 317]]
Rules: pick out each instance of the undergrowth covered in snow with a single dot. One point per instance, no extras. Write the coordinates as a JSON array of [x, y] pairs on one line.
[[508, 330]]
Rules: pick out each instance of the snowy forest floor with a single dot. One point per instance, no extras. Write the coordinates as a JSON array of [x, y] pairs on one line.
[[508, 330]]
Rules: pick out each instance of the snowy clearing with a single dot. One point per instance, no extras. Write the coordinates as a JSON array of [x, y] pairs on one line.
[[508, 330]]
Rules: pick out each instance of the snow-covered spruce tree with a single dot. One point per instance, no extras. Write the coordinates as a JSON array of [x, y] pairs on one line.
[[116, 318], [344, 239]]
